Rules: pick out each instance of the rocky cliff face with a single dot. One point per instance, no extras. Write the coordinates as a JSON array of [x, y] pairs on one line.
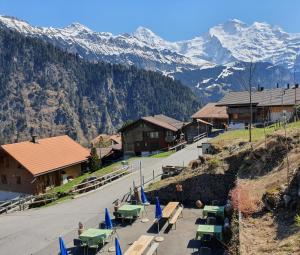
[[53, 92]]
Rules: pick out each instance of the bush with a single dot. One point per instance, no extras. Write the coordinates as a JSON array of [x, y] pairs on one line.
[[242, 201]]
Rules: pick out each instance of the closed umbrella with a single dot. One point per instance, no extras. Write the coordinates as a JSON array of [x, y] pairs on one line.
[[143, 197], [117, 246], [108, 222], [62, 247], [158, 212]]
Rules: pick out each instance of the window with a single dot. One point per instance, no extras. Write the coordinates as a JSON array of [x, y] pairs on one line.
[[3, 179], [18, 179], [169, 133], [154, 135]]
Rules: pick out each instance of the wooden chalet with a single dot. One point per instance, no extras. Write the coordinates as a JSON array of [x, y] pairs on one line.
[[216, 115], [33, 167], [267, 105], [150, 134]]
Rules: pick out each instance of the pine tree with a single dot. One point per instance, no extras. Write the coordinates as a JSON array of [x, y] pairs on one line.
[[94, 161]]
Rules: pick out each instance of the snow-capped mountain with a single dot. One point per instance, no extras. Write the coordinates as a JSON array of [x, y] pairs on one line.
[[201, 62], [102, 46]]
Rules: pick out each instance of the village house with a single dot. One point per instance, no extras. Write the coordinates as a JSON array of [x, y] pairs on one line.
[[33, 167], [216, 115], [268, 106], [155, 133], [110, 154], [109, 147]]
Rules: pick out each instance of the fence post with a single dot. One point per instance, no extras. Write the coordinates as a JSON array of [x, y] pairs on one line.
[[153, 175]]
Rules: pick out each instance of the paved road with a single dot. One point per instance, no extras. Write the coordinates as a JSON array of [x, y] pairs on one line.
[[36, 231]]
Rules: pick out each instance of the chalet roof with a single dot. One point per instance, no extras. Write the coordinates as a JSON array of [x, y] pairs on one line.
[[105, 151], [107, 138], [48, 154], [161, 121], [211, 111], [270, 97], [165, 122]]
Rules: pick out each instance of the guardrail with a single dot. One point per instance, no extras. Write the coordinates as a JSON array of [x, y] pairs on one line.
[[181, 145], [20, 203], [98, 182], [199, 137]]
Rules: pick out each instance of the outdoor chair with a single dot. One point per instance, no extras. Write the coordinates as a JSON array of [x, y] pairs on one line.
[[205, 251], [210, 214], [77, 242], [211, 221], [215, 202], [206, 238]]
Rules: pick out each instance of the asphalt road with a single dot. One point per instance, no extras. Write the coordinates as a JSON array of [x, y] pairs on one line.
[[36, 231]]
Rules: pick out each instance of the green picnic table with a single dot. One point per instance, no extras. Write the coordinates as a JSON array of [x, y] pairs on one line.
[[217, 210], [93, 237], [209, 230], [130, 211]]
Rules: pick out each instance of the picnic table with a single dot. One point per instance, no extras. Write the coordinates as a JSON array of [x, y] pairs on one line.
[[130, 211], [140, 246], [169, 209], [94, 237], [209, 230], [217, 210]]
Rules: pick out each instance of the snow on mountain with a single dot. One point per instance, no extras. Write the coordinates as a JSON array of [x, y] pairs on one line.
[[222, 44], [209, 62], [99, 46]]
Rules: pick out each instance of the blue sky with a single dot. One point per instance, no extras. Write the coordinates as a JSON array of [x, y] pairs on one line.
[[171, 19]]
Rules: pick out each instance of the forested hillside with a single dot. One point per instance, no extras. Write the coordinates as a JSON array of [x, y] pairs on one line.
[[54, 92]]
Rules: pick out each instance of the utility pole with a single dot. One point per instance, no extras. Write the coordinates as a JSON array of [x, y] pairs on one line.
[[250, 99]]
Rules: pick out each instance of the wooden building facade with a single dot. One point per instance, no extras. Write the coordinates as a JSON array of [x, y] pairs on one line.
[[33, 167], [268, 106]]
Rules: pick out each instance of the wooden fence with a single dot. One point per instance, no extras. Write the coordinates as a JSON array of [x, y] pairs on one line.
[[98, 182], [199, 137]]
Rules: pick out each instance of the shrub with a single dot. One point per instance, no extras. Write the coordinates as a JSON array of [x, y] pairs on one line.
[[242, 200]]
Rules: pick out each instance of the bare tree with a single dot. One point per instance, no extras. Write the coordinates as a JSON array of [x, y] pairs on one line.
[[246, 83]]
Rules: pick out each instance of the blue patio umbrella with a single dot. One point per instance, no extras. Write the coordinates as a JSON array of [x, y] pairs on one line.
[[108, 222], [117, 247], [143, 196], [158, 211], [62, 247]]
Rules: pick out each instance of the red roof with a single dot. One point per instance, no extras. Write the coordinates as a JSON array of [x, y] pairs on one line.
[[48, 154]]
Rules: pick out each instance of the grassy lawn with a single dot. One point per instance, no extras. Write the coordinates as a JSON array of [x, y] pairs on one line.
[[103, 171], [242, 135], [163, 154]]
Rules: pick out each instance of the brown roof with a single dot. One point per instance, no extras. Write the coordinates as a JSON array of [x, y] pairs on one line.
[[165, 122], [270, 97], [105, 151], [107, 138], [211, 111], [48, 154], [159, 120]]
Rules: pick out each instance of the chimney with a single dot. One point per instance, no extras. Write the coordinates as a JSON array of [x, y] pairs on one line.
[[34, 138], [258, 87], [288, 86], [296, 85], [277, 85], [262, 88]]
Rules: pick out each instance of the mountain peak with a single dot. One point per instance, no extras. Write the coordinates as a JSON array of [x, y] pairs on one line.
[[146, 35], [77, 27]]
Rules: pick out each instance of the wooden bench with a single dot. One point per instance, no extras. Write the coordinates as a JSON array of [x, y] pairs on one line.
[[153, 249], [176, 216], [139, 246]]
